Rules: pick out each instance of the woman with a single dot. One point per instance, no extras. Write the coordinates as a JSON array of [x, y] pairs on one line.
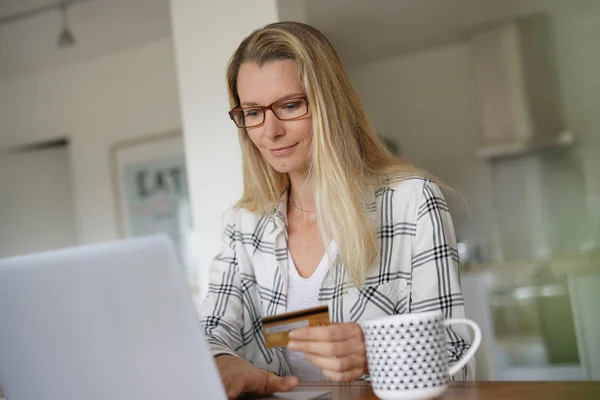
[[327, 216]]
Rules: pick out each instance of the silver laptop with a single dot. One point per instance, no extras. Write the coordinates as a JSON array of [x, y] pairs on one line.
[[113, 321]]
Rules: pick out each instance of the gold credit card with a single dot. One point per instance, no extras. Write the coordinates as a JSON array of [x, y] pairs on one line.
[[276, 327]]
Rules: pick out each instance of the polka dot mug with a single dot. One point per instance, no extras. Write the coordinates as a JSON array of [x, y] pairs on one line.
[[407, 354]]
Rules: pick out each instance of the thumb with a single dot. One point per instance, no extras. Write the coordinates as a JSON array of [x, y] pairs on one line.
[[276, 383]]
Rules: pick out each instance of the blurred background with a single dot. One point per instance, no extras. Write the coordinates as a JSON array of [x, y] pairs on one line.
[[113, 123]]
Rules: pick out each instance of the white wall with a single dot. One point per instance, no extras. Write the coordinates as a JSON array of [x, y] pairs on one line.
[[35, 201], [205, 35], [426, 101], [579, 62], [292, 10], [95, 103]]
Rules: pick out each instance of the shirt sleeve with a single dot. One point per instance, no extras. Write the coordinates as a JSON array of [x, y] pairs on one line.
[[221, 313], [435, 284]]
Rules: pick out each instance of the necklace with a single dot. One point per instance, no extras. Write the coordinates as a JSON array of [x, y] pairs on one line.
[[301, 209]]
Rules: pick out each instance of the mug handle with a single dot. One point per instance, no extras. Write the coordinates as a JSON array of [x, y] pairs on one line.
[[474, 346]]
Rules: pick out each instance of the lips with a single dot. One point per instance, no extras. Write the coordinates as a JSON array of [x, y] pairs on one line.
[[281, 151]]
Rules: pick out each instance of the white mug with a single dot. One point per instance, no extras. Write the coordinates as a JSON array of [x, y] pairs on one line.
[[407, 354]]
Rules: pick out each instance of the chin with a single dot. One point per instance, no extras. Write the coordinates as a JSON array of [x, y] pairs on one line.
[[286, 168], [283, 170]]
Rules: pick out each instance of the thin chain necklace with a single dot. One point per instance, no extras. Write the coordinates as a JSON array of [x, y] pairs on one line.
[[293, 203]]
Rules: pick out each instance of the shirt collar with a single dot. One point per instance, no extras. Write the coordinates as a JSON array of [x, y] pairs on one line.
[[280, 212]]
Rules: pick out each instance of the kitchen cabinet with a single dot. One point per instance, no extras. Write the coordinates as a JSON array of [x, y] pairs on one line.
[[585, 293], [540, 322]]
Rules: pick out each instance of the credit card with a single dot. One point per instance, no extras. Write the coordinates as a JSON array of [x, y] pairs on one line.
[[275, 328]]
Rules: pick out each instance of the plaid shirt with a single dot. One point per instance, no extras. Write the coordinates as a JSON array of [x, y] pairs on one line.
[[416, 271]]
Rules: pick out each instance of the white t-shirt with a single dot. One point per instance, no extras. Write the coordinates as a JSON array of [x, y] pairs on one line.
[[304, 293]]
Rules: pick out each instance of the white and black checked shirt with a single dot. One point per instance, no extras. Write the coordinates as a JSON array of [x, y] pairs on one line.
[[416, 271]]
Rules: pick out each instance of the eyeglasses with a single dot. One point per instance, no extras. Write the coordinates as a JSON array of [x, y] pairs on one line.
[[284, 110]]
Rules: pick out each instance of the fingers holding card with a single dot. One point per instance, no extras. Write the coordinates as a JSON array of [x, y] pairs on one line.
[[277, 327]]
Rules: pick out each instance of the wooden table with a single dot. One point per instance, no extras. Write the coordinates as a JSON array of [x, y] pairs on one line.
[[473, 391], [476, 391]]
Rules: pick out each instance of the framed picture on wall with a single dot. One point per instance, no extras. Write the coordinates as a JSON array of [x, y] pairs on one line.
[[151, 191]]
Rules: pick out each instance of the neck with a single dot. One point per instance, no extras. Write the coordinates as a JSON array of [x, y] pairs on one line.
[[301, 192]]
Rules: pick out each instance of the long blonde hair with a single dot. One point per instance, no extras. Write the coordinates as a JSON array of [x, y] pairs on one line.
[[347, 156]]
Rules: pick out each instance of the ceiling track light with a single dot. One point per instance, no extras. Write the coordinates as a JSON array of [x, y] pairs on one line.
[[66, 38]]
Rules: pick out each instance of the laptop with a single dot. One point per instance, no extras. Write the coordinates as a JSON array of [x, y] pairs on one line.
[[111, 321]]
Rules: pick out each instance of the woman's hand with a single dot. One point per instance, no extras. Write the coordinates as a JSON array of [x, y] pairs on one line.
[[338, 349], [240, 377]]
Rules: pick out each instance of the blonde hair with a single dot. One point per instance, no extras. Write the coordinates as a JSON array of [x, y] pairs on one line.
[[347, 156]]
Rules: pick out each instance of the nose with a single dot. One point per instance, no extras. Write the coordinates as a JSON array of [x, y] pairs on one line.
[[273, 128]]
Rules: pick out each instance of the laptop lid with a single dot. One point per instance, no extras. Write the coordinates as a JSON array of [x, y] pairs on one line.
[[107, 321]]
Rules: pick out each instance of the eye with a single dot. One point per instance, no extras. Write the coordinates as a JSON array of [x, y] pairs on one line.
[[291, 106], [252, 113]]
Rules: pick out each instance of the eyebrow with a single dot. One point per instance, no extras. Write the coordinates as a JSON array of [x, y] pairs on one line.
[[289, 96]]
